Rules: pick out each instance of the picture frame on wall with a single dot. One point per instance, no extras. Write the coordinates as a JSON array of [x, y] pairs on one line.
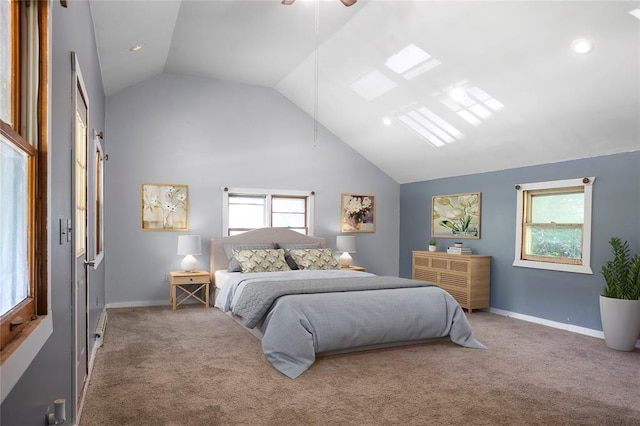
[[456, 215], [164, 207], [358, 213]]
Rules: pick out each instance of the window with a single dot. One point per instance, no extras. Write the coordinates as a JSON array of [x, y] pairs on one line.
[[23, 171], [98, 190], [553, 225], [247, 209]]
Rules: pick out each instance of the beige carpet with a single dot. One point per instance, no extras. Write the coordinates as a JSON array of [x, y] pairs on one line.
[[195, 366]]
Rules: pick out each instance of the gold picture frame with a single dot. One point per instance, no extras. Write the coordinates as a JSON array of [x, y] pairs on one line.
[[164, 207], [456, 215], [358, 213]]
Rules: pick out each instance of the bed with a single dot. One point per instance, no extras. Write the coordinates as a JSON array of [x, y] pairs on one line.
[[319, 309]]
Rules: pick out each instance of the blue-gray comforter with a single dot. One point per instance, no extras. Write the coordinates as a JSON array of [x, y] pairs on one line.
[[319, 316]]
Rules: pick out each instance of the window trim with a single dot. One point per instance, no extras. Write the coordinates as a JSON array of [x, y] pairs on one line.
[[587, 184], [98, 201], [22, 351], [269, 193]]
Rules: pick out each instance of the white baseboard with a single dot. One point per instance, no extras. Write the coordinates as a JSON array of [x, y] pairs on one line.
[[137, 304], [554, 324]]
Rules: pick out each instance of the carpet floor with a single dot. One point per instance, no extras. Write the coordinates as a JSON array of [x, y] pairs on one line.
[[195, 366]]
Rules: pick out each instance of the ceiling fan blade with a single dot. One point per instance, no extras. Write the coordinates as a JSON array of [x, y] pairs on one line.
[[287, 2]]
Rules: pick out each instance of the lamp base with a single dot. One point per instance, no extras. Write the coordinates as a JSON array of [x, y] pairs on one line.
[[189, 263], [345, 260]]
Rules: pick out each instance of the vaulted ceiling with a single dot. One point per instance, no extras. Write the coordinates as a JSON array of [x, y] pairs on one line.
[[422, 89]]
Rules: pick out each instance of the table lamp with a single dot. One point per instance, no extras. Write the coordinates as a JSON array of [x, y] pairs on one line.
[[345, 244], [188, 245]]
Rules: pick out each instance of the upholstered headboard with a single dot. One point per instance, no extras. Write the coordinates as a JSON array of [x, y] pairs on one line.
[[263, 235]]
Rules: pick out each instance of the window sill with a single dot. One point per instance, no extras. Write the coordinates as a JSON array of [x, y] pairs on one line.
[[578, 269], [16, 359]]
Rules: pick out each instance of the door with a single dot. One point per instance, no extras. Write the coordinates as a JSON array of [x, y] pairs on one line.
[[80, 143]]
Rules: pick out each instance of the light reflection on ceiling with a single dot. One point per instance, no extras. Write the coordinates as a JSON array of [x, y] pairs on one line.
[[406, 62], [372, 85], [470, 104], [430, 127]]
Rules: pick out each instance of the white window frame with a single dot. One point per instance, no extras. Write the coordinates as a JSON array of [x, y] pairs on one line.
[[97, 205], [268, 193], [587, 184]]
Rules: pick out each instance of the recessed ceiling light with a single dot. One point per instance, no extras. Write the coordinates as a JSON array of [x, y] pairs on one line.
[[386, 121], [635, 12], [135, 48], [582, 46]]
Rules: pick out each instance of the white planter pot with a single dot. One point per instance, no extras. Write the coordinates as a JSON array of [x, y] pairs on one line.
[[433, 248], [620, 322]]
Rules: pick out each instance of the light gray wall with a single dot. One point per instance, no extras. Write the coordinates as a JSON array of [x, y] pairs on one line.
[[209, 134], [49, 376], [563, 297]]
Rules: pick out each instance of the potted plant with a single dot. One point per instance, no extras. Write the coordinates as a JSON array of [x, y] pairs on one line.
[[432, 245], [619, 304]]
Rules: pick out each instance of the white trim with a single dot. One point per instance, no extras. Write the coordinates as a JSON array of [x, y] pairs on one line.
[[14, 367], [585, 268], [269, 193], [93, 208], [137, 304], [553, 324], [563, 267]]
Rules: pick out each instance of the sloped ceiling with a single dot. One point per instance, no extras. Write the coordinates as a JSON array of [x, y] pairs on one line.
[[527, 97]]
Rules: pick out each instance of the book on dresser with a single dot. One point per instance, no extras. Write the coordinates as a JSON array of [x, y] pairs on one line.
[[466, 277], [459, 250]]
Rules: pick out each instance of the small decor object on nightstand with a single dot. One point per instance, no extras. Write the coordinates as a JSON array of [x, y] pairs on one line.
[[345, 244], [433, 246], [188, 245]]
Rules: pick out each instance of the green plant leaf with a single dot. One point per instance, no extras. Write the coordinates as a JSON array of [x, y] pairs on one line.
[[622, 273], [449, 224]]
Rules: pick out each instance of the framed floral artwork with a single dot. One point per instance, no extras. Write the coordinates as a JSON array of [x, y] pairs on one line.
[[456, 215], [358, 213], [164, 207]]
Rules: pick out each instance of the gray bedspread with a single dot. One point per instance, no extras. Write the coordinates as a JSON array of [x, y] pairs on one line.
[[257, 297], [310, 317]]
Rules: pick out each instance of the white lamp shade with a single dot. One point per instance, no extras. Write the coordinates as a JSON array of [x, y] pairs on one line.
[[189, 244], [346, 244]]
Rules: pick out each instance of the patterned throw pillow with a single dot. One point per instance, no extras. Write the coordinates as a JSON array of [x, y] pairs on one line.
[[314, 258], [261, 260], [234, 266], [292, 246]]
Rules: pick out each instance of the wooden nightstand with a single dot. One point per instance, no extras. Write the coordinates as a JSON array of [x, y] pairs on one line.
[[354, 268], [182, 280]]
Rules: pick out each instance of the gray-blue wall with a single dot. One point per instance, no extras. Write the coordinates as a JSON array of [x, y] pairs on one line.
[[563, 297], [49, 376], [209, 134]]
